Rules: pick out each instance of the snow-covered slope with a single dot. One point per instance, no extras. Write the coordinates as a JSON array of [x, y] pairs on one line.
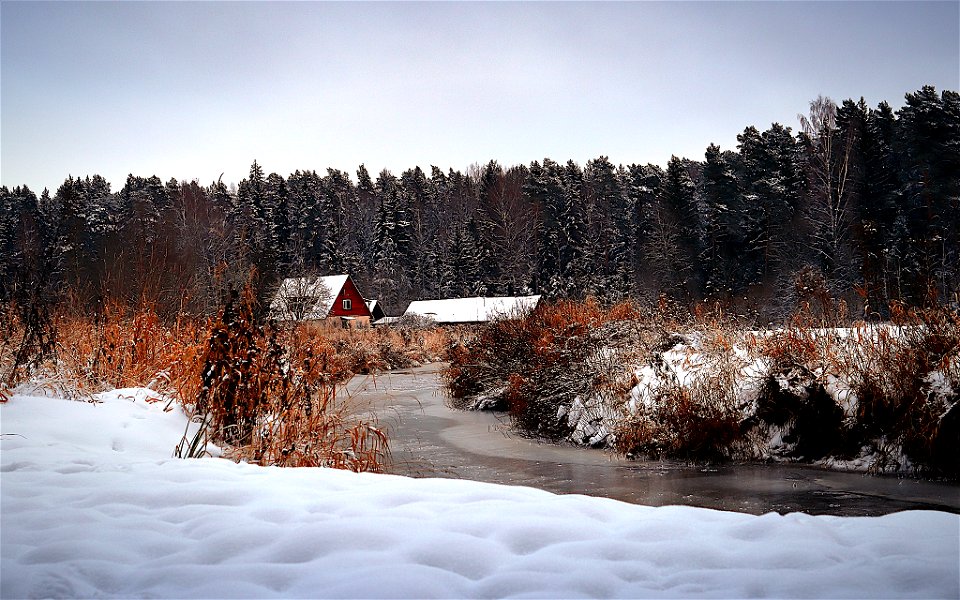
[[93, 506]]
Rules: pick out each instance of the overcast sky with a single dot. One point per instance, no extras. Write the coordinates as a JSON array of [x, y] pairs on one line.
[[193, 90]]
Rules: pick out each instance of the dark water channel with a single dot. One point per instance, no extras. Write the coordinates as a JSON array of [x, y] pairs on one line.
[[428, 439]]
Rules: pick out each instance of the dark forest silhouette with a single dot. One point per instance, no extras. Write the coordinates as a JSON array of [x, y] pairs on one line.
[[861, 204]]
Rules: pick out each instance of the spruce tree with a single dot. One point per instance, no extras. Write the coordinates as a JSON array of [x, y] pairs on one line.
[[276, 209], [416, 197], [642, 188], [771, 187], [71, 237], [575, 272], [609, 226], [253, 218], [928, 130], [544, 189], [723, 238], [674, 233], [879, 208], [461, 271]]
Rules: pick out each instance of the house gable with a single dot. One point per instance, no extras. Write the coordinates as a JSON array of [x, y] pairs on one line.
[[348, 302]]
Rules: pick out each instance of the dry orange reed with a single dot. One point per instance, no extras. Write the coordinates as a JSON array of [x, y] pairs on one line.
[[268, 394]]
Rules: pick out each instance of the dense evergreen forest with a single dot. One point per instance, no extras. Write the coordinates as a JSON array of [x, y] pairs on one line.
[[860, 203]]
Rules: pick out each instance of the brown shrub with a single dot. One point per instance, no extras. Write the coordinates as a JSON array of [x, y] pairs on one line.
[[271, 396], [535, 366], [687, 422], [268, 393], [906, 378]]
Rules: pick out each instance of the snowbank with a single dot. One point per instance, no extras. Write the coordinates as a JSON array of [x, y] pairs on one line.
[[93, 506]]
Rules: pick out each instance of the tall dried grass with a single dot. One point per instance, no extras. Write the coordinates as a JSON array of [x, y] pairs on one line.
[[384, 348], [266, 392], [271, 395], [122, 348]]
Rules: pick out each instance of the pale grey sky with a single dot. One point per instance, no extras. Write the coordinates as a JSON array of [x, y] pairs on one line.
[[193, 90]]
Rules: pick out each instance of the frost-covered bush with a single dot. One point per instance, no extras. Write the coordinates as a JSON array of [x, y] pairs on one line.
[[905, 384], [557, 371], [694, 396], [800, 412]]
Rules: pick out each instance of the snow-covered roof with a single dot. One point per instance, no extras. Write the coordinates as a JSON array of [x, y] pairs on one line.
[[306, 297], [472, 310]]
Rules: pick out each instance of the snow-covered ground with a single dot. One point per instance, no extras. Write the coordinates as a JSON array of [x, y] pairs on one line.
[[93, 505]]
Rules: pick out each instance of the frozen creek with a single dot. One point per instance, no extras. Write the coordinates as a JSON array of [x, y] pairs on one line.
[[428, 439]]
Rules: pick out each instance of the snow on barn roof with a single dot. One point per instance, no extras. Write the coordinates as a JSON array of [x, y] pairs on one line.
[[374, 307], [307, 297], [471, 310]]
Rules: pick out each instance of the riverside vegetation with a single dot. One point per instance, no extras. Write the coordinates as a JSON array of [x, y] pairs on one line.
[[880, 397], [644, 381]]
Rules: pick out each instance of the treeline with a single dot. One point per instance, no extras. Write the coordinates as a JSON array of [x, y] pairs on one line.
[[861, 203]]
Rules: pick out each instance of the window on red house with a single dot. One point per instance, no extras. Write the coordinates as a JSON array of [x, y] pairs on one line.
[[347, 304]]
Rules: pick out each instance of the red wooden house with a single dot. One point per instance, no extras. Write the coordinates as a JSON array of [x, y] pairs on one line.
[[334, 299]]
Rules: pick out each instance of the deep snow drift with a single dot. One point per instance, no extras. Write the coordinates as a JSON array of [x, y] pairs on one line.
[[93, 506]]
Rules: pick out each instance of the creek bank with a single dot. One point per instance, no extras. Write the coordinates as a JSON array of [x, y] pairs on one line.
[[879, 398], [429, 439]]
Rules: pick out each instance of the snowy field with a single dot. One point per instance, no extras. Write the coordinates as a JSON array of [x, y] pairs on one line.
[[93, 505]]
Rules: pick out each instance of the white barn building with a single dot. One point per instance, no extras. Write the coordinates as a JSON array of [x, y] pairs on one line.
[[471, 310]]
